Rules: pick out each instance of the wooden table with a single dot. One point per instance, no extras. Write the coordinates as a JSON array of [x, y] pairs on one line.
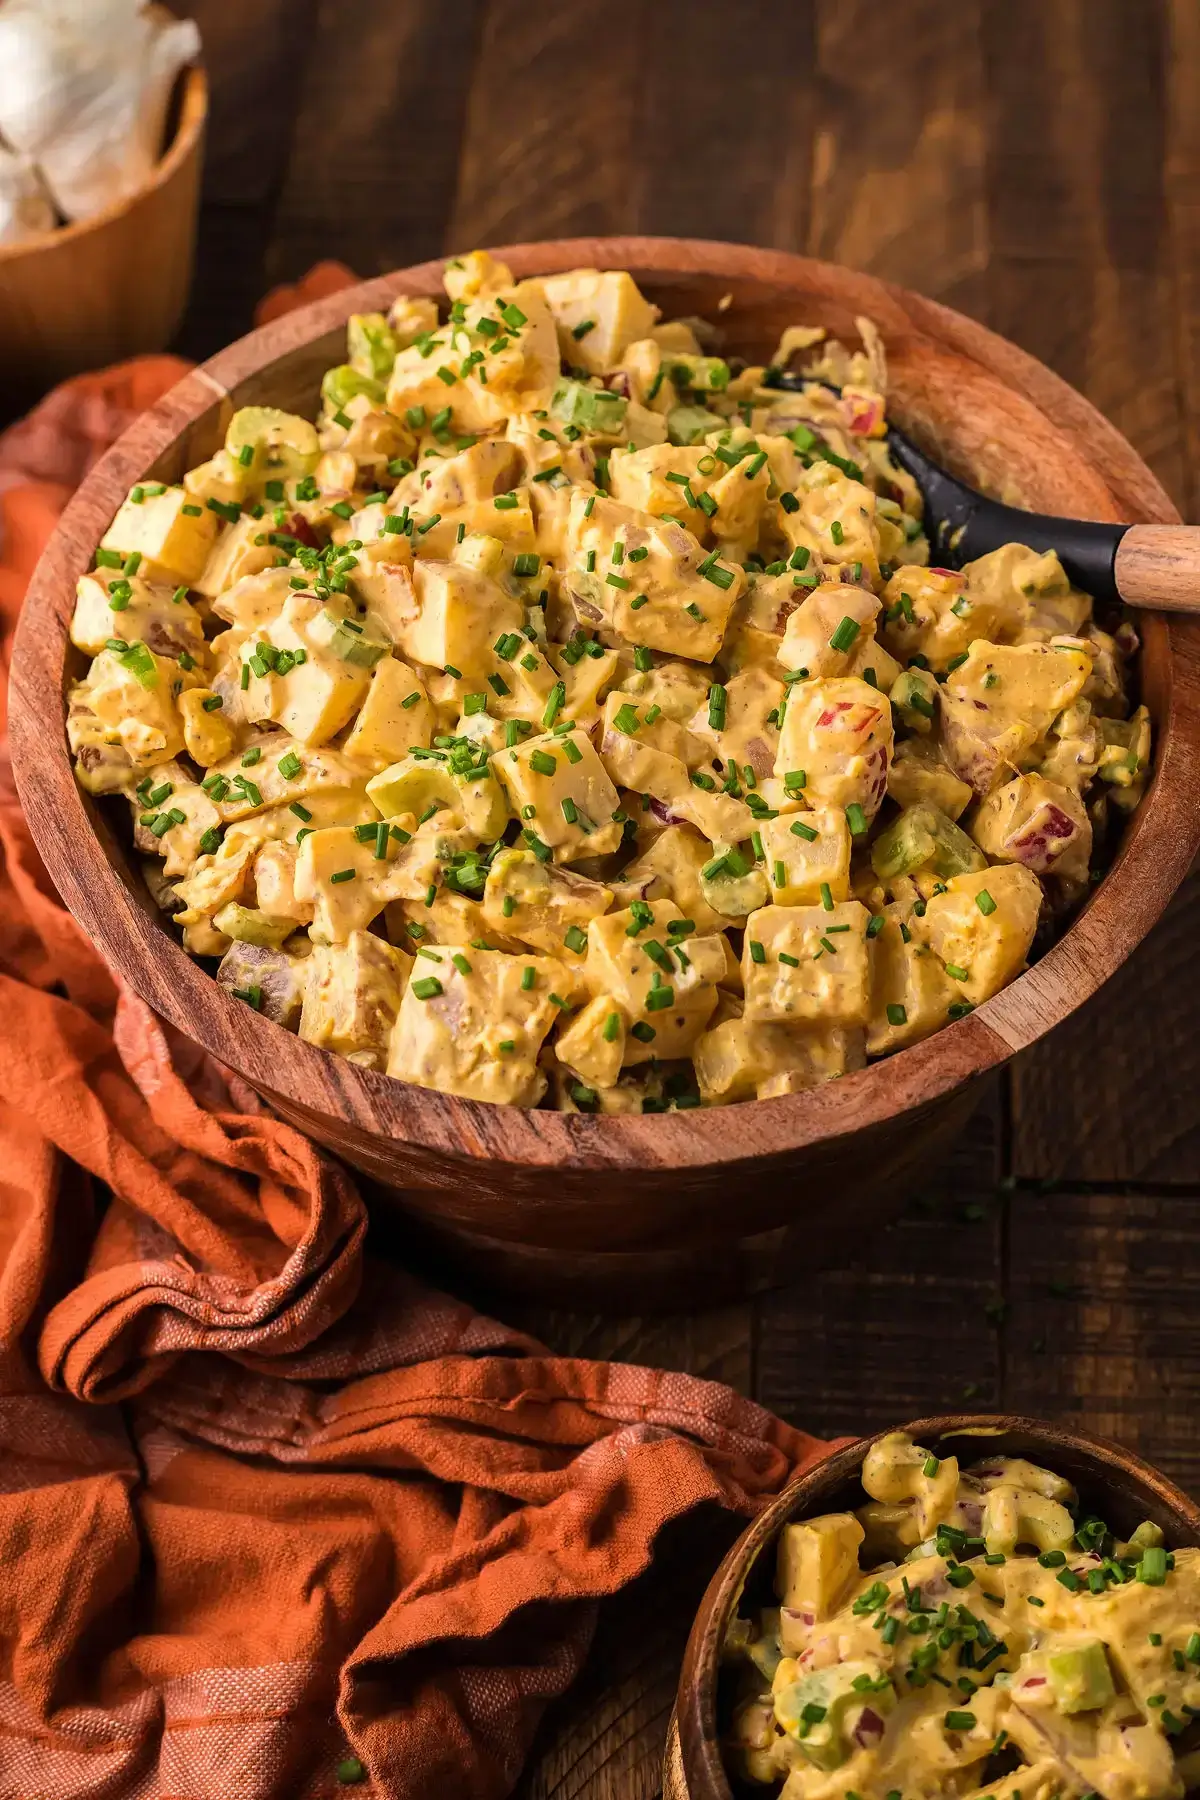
[[1034, 162]]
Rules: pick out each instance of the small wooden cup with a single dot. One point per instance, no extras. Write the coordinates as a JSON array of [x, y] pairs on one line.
[[1118, 1485], [673, 1209], [113, 285]]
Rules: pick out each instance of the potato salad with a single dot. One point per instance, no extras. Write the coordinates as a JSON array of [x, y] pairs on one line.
[[570, 714], [970, 1632]]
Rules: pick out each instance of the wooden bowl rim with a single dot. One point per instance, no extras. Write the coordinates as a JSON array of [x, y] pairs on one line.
[[695, 1710], [193, 111], [1157, 851]]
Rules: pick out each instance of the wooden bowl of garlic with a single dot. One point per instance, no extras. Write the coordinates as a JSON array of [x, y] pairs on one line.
[[113, 282]]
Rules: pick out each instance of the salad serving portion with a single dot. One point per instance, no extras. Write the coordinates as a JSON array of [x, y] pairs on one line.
[[570, 714]]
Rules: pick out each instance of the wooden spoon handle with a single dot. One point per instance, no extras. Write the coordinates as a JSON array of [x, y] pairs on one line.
[[1158, 566]]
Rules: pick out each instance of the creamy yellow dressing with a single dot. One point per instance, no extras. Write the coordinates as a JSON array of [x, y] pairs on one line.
[[970, 1632], [570, 714]]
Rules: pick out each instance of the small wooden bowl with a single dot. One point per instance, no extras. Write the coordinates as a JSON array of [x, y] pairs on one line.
[[637, 1210], [1123, 1489], [113, 285]]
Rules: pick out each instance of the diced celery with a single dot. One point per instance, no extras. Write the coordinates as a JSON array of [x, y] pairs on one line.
[[282, 444], [345, 383], [924, 838], [370, 345], [1081, 1678], [691, 424], [589, 408]]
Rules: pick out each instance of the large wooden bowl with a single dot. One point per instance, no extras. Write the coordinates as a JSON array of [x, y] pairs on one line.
[[1112, 1481], [113, 285], [651, 1209]]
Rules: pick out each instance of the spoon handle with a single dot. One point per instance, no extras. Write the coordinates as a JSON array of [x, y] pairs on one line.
[[1158, 566]]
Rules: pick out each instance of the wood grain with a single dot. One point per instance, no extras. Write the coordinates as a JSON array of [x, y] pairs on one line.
[[850, 1349], [900, 145], [1114, 1480], [1182, 191], [1111, 1097], [375, 135], [1103, 1323], [1080, 264], [1159, 566], [649, 1192], [563, 139]]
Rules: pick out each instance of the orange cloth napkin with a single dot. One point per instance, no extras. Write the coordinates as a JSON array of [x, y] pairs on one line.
[[267, 1504]]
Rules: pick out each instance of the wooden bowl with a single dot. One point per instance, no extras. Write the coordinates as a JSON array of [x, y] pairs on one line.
[[1122, 1489], [637, 1209], [113, 285]]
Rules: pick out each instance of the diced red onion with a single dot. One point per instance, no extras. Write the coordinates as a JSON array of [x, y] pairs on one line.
[[868, 1730], [665, 816]]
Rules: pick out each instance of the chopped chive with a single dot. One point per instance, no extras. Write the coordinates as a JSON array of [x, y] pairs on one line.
[[984, 902], [843, 638]]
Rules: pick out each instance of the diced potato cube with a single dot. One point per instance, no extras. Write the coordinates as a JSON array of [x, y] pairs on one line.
[[981, 744], [593, 1044], [634, 956], [597, 315], [927, 612], [353, 996], [836, 519], [749, 735], [817, 1562], [745, 1059], [394, 718], [982, 949], [172, 534], [131, 693], [241, 550], [256, 599], [838, 732], [541, 904], [1032, 682], [349, 883], [276, 979], [807, 851], [275, 883], [216, 879], [688, 592], [910, 992], [640, 480], [473, 1023], [669, 868], [796, 969], [917, 776], [562, 791], [137, 612], [272, 779], [828, 631], [461, 614], [316, 697], [1037, 823], [631, 748]]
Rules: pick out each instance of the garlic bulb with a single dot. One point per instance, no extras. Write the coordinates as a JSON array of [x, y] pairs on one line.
[[84, 88], [25, 206]]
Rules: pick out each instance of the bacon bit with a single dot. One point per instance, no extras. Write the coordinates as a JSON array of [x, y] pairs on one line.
[[299, 528]]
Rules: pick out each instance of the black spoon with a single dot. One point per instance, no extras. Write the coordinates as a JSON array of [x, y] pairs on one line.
[[1139, 565]]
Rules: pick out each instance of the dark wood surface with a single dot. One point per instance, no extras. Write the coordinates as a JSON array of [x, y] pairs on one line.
[[1034, 162]]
